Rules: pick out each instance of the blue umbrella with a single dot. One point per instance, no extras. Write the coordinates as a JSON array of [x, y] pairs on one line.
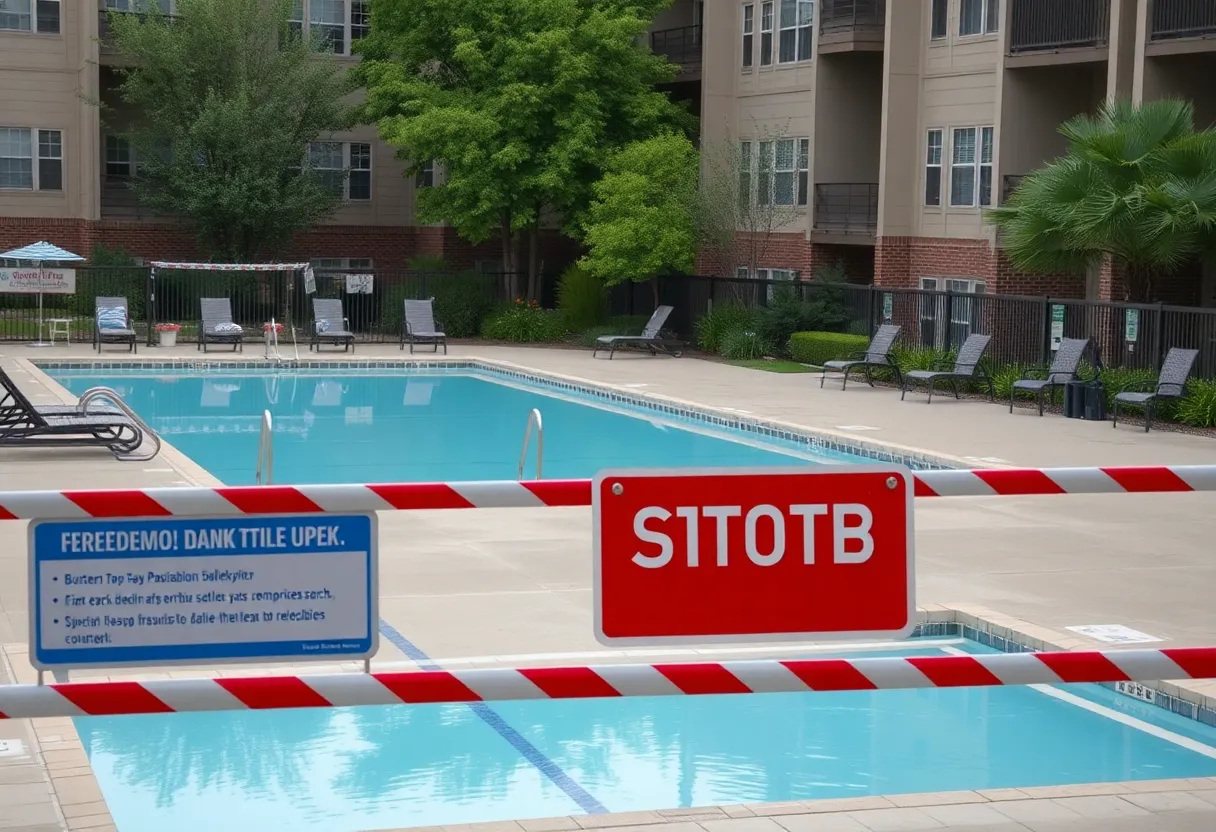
[[40, 253]]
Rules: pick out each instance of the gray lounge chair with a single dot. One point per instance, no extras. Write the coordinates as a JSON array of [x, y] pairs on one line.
[[1171, 384], [330, 325], [419, 326], [23, 424], [966, 367], [651, 338], [112, 323], [1063, 369], [877, 354], [216, 325]]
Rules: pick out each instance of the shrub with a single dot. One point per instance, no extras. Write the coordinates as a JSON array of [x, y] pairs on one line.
[[817, 347], [1004, 377], [462, 302], [917, 357], [723, 318], [428, 263], [627, 324], [1198, 409], [581, 299], [588, 337], [785, 315], [524, 323], [1120, 379], [743, 345]]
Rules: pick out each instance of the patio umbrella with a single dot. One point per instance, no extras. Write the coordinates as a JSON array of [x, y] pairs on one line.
[[41, 253]]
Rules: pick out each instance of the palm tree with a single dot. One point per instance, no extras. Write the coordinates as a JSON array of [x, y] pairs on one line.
[[1137, 186]]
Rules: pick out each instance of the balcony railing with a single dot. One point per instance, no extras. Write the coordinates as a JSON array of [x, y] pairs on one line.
[[1009, 184], [103, 22], [1045, 25], [1183, 19], [849, 207], [680, 46], [839, 16]]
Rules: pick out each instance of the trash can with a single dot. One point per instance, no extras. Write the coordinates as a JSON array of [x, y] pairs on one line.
[[1095, 402], [1074, 399]]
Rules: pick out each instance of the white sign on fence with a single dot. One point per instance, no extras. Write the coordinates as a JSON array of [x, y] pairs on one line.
[[32, 280]]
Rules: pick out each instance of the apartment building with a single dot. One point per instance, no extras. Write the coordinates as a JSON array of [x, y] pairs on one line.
[[64, 169], [891, 124]]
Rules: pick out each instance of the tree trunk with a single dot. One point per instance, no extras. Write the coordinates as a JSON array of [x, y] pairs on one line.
[[534, 259], [654, 287], [509, 265]]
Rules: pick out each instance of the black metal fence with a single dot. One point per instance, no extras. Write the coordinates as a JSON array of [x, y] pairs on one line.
[[1058, 24], [681, 45], [374, 308], [1183, 19], [1023, 328], [852, 15]]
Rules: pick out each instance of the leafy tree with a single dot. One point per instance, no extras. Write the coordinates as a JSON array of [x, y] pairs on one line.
[[224, 116], [519, 101], [640, 224], [1138, 186], [737, 217]]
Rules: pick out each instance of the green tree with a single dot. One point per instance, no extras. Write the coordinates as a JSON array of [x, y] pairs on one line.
[[519, 101], [640, 223], [223, 119], [1137, 186]]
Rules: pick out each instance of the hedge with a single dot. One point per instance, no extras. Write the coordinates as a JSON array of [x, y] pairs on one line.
[[818, 347]]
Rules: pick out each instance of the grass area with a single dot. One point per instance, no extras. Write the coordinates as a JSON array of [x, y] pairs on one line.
[[773, 365]]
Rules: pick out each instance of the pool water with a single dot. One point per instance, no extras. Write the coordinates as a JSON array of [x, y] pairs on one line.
[[364, 768], [417, 428]]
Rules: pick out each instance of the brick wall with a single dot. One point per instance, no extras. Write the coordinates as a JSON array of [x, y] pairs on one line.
[[902, 261], [791, 251]]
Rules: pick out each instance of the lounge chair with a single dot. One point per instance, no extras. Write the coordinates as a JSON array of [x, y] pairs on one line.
[[1063, 369], [877, 354], [419, 326], [651, 338], [112, 323], [216, 325], [1171, 384], [329, 325], [966, 367], [23, 424]]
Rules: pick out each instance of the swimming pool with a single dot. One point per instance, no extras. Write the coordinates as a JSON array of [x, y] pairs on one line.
[[336, 427], [376, 767]]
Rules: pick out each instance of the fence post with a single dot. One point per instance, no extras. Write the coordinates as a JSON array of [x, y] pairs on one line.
[[1160, 339], [949, 318], [1045, 341], [150, 304], [871, 312]]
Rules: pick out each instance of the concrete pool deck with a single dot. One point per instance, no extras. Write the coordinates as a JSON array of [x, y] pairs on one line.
[[501, 584]]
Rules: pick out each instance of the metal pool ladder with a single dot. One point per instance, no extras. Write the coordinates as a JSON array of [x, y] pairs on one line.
[[92, 393], [265, 470], [533, 418]]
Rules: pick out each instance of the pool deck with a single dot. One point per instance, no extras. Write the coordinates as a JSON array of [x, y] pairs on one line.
[[501, 587]]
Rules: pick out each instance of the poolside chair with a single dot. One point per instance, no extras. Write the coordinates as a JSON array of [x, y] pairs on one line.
[[112, 323], [329, 325], [216, 325], [1171, 384], [419, 326], [877, 354], [1063, 369], [966, 367], [651, 338], [23, 424]]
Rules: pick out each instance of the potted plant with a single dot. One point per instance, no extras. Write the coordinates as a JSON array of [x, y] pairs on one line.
[[167, 333]]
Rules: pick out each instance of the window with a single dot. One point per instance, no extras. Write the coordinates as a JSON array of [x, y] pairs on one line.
[[360, 19], [344, 167], [295, 23], [166, 6], [766, 34], [933, 169], [783, 171], [743, 272], [119, 159], [939, 19], [337, 24], [342, 264], [17, 169], [971, 167], [784, 275], [749, 25], [978, 17], [939, 329], [795, 35], [40, 16], [745, 174], [425, 177]]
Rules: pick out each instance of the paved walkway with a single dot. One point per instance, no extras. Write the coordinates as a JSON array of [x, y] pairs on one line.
[[514, 586]]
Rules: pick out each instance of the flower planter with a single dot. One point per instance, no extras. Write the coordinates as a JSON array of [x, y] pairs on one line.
[[168, 338]]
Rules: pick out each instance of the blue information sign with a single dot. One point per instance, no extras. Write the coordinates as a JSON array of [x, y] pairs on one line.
[[190, 590]]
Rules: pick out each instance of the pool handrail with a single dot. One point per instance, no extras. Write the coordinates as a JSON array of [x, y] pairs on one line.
[[265, 451], [87, 397], [533, 417]]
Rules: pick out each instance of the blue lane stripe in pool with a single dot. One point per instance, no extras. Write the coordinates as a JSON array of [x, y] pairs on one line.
[[487, 715]]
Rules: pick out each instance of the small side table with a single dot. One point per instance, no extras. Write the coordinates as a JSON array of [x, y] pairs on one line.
[[59, 326]]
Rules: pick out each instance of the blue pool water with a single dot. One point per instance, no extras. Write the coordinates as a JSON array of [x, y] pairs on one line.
[[349, 769], [416, 428]]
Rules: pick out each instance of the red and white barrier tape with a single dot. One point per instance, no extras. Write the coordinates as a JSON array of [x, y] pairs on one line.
[[500, 684], [303, 499]]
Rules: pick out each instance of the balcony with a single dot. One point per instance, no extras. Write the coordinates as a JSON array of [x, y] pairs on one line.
[[681, 46], [1173, 19], [852, 25], [1009, 184], [1073, 31], [103, 31], [118, 201], [846, 207]]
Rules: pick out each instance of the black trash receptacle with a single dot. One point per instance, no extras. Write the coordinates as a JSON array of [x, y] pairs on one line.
[[1095, 402], [1074, 400]]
